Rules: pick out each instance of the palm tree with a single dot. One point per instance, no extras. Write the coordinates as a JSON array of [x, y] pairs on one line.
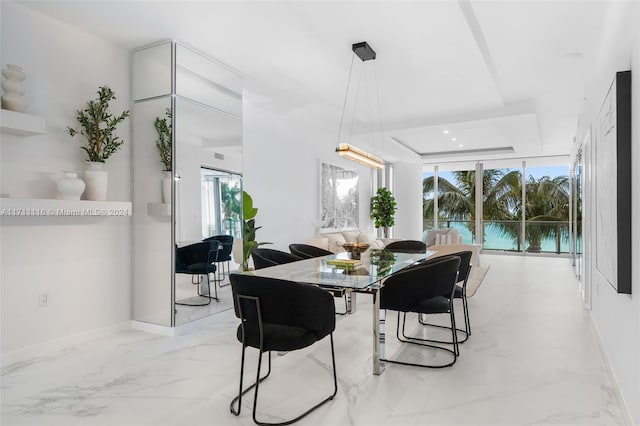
[[500, 199], [547, 200]]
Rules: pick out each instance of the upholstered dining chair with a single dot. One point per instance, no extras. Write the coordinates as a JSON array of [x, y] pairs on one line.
[[307, 251], [460, 292], [224, 256], [406, 246], [263, 258], [426, 288], [198, 260], [279, 315]]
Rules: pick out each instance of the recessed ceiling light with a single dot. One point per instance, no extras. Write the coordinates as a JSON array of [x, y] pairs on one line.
[[454, 139], [445, 132], [460, 145]]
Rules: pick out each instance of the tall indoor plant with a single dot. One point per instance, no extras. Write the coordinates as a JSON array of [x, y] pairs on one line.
[[164, 145], [97, 126], [249, 242], [383, 209]]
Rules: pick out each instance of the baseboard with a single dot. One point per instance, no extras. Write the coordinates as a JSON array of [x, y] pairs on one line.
[[610, 368], [179, 330], [48, 347]]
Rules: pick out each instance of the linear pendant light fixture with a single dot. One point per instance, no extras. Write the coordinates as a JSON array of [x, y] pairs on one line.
[[365, 53]]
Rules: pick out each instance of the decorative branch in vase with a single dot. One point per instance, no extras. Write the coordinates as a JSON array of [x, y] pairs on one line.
[[164, 145], [97, 126]]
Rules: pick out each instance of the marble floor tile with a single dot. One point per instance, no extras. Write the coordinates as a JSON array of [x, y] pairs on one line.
[[533, 359]]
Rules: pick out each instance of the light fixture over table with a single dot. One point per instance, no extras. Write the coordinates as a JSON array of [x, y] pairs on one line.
[[365, 53]]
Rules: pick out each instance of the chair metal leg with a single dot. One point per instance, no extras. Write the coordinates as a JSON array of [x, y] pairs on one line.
[[466, 332], [222, 275], [207, 295], [238, 399], [417, 341]]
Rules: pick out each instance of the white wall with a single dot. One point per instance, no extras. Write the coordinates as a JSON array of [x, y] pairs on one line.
[[408, 192], [617, 316], [282, 152], [82, 263]]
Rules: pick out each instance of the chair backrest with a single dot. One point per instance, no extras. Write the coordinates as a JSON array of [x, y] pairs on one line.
[[285, 303], [307, 251], [406, 246], [226, 243], [204, 252], [263, 258], [404, 290]]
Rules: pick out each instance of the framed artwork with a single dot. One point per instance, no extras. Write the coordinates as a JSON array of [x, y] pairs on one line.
[[613, 185], [338, 198]]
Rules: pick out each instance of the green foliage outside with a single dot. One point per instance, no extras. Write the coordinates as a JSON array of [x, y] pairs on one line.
[[383, 209], [547, 200], [249, 232], [164, 141], [98, 126]]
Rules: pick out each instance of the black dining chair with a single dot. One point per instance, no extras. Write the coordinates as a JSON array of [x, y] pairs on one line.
[[198, 260], [460, 293], [425, 289], [307, 251], [224, 256], [264, 258], [279, 315], [406, 246]]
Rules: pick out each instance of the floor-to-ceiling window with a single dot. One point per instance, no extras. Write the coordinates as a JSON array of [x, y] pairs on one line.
[[547, 209], [522, 207], [501, 208], [455, 204]]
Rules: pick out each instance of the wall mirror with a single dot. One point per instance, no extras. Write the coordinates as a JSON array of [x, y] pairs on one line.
[[203, 103]]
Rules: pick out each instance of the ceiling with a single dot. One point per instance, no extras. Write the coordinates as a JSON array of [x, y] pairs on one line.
[[457, 80]]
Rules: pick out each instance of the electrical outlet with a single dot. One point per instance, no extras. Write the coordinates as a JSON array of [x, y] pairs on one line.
[[43, 298]]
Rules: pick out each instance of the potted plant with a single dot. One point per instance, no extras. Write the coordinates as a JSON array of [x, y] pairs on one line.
[[249, 232], [97, 126], [383, 209], [164, 146]]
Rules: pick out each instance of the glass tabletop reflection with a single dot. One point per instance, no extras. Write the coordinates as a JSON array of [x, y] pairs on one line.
[[338, 270]]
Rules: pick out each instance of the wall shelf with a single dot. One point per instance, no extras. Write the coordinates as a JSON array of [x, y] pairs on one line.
[[47, 207], [20, 124]]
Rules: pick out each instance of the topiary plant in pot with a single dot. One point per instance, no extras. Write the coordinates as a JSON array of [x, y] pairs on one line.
[[98, 126], [383, 209]]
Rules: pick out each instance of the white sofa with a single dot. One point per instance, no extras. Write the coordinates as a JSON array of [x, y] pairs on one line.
[[333, 241], [448, 241]]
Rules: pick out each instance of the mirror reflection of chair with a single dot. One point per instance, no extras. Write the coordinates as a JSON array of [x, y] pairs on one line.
[[406, 246], [279, 315], [224, 256], [426, 288], [264, 258], [307, 251], [198, 260], [460, 292]]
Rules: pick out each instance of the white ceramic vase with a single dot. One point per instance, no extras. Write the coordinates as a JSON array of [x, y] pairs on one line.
[[96, 179], [12, 86], [166, 187], [70, 186]]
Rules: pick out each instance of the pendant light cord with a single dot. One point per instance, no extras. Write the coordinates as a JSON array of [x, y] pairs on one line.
[[346, 95]]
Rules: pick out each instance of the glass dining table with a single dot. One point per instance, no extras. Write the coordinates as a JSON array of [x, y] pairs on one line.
[[364, 275]]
